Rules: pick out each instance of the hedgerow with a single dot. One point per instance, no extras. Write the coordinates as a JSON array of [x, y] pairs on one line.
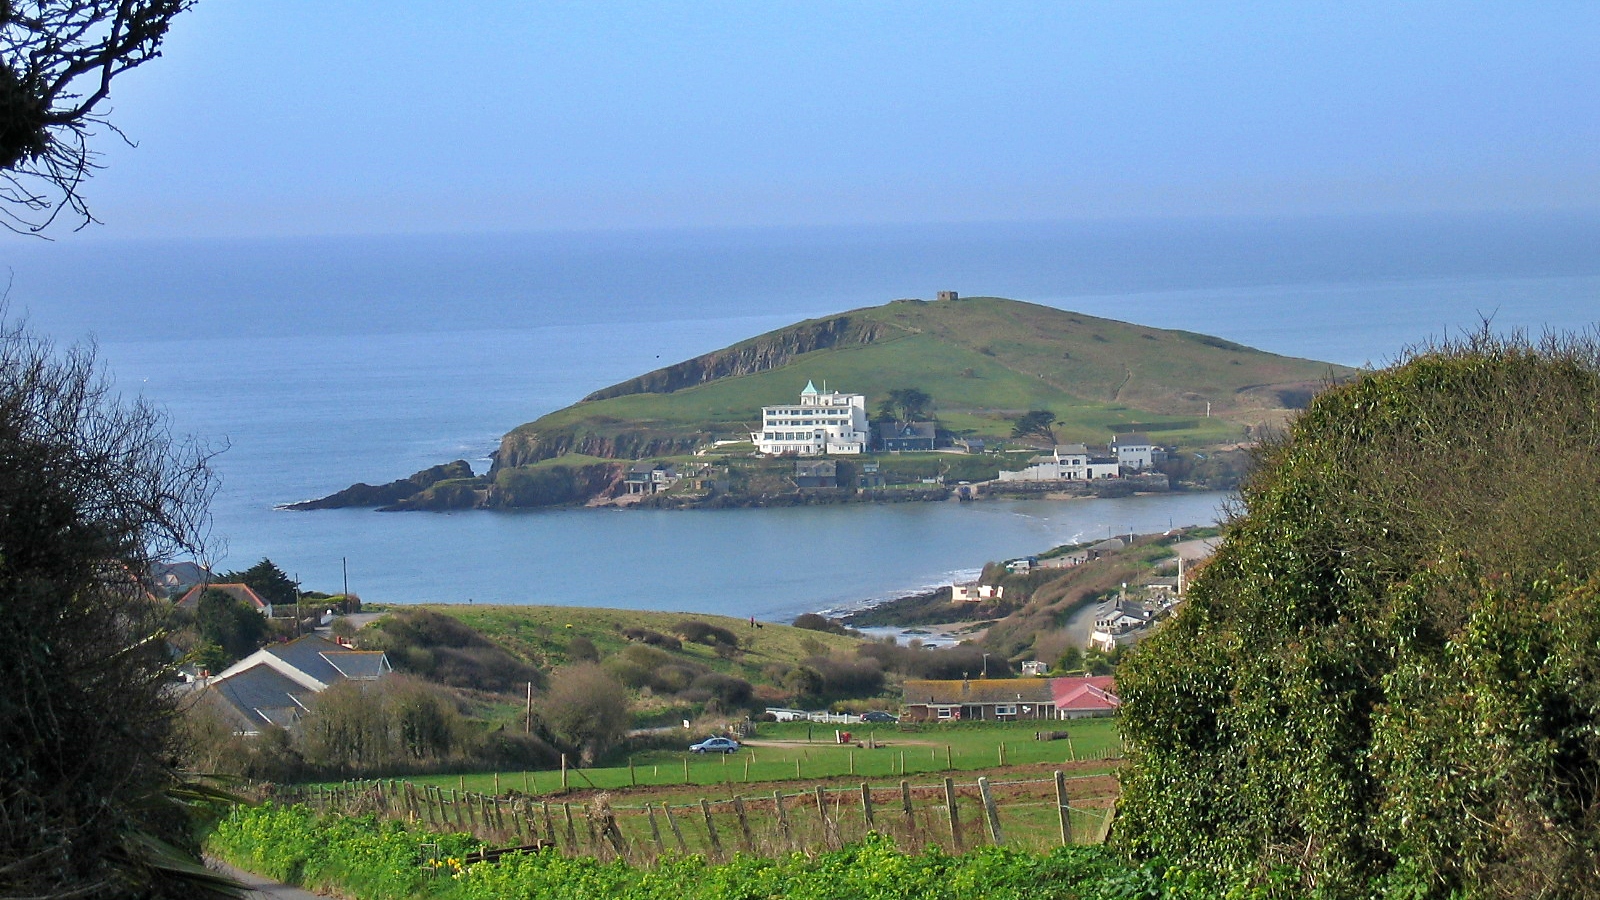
[[371, 860]]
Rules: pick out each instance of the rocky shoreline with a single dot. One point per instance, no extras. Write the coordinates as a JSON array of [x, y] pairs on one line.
[[453, 486]]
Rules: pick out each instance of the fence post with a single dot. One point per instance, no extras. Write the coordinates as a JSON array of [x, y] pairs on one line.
[[783, 820], [1002, 754], [572, 831], [992, 812], [830, 830], [950, 807], [677, 832], [549, 822], [633, 779], [866, 805], [655, 829], [519, 821], [905, 800], [744, 825], [563, 773], [948, 759], [1063, 809], [711, 827]]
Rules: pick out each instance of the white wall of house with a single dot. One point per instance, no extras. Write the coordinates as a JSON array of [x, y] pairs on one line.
[[832, 422]]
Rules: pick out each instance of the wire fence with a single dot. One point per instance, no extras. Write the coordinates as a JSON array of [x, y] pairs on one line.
[[1034, 813]]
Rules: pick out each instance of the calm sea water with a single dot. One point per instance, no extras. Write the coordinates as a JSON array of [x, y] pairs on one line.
[[318, 363]]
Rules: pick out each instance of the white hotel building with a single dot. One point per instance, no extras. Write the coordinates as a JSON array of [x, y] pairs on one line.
[[821, 423]]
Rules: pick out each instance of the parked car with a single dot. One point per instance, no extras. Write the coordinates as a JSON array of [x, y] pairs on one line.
[[878, 715], [715, 745]]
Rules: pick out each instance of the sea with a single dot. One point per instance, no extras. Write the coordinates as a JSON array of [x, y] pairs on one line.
[[312, 363]]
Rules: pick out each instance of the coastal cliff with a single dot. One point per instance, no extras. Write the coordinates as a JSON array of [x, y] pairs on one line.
[[770, 351]]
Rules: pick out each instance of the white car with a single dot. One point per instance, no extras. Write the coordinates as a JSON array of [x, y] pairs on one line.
[[715, 745]]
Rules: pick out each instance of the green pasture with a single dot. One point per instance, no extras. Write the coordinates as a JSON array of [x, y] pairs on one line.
[[889, 753]]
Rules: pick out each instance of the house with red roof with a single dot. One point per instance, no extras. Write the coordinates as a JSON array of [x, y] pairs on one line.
[[1081, 696], [241, 592], [1008, 699]]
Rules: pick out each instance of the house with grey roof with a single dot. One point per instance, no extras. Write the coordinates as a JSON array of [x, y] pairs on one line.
[[278, 683]]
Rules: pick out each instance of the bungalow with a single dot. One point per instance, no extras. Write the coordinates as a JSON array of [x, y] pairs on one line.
[[650, 478], [245, 594], [871, 476], [1067, 462], [988, 699], [276, 684], [1119, 623], [973, 592], [822, 473], [1022, 565], [1083, 696], [178, 577]]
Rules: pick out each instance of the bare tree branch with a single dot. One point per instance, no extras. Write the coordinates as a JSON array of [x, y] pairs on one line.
[[58, 59]]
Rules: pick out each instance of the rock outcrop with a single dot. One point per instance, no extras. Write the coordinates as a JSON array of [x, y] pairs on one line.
[[395, 492]]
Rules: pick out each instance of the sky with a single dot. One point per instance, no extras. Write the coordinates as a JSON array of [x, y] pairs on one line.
[[300, 118]]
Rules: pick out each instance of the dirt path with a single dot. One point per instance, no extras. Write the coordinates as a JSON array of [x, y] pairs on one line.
[[263, 888]]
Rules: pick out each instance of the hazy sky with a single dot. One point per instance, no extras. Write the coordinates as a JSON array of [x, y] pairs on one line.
[[357, 116]]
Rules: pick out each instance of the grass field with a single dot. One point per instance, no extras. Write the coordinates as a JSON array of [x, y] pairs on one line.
[[781, 752], [667, 796]]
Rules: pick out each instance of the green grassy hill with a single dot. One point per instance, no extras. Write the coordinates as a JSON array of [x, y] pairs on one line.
[[984, 360], [541, 635]]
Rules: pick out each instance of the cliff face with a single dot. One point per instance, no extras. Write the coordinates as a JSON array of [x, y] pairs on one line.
[[523, 447], [766, 352]]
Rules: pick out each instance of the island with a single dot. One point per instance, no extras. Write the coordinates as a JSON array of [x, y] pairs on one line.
[[918, 400]]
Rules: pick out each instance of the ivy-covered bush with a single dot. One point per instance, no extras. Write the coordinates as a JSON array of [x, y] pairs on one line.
[[1386, 679]]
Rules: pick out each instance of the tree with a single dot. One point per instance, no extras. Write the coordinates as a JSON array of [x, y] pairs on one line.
[[905, 405], [1387, 680], [267, 580], [92, 490], [585, 709], [225, 621], [1035, 423], [58, 59]]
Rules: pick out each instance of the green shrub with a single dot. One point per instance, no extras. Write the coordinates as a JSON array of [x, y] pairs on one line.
[[1388, 677]]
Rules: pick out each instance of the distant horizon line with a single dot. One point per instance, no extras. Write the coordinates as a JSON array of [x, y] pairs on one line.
[[96, 234]]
